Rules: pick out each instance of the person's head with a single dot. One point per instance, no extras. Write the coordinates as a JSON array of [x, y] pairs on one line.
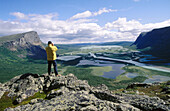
[[49, 42]]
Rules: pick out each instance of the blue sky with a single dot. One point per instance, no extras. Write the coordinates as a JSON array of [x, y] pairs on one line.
[[83, 21]]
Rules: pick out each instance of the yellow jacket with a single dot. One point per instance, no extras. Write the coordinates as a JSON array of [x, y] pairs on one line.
[[51, 52]]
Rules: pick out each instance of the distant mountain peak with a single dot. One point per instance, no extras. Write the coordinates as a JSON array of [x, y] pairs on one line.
[[23, 40], [28, 41], [158, 40]]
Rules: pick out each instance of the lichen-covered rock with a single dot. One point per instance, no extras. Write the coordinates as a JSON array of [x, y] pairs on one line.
[[2, 90], [24, 86], [89, 108], [68, 93]]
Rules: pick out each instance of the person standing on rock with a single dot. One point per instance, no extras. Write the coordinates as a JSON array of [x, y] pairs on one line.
[[51, 57]]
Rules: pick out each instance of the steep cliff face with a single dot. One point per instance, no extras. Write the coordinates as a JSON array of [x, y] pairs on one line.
[[29, 41], [158, 40]]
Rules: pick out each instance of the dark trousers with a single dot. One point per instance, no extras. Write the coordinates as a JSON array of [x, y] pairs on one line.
[[54, 62]]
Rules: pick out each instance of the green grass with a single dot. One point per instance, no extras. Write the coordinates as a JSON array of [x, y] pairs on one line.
[[11, 70], [122, 77], [152, 91], [140, 72], [10, 38], [86, 74], [144, 72], [94, 80], [11, 65], [63, 49], [6, 102], [118, 84], [36, 95], [99, 71], [136, 79]]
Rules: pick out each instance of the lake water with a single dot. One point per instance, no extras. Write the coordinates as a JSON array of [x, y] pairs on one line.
[[116, 70], [157, 78], [116, 67]]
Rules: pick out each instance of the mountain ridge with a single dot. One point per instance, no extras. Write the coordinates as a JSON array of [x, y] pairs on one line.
[[28, 41], [156, 40], [22, 39]]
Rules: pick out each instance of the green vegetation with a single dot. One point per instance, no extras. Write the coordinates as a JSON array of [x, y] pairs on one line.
[[12, 65], [98, 71], [138, 71], [64, 49], [92, 75], [35, 96], [125, 44], [86, 74], [10, 38], [124, 83], [94, 80], [122, 77], [6, 101], [136, 79], [144, 72], [152, 91], [103, 49], [74, 49]]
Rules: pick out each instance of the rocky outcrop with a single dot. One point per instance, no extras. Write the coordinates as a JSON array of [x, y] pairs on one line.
[[29, 42], [2, 90], [157, 40], [69, 93]]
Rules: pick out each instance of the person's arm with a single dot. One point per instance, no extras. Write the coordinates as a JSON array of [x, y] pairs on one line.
[[54, 47]]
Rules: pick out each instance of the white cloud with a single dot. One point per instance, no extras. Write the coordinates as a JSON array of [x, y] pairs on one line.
[[77, 31], [19, 15], [133, 26], [136, 0], [104, 10], [87, 14], [82, 15]]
